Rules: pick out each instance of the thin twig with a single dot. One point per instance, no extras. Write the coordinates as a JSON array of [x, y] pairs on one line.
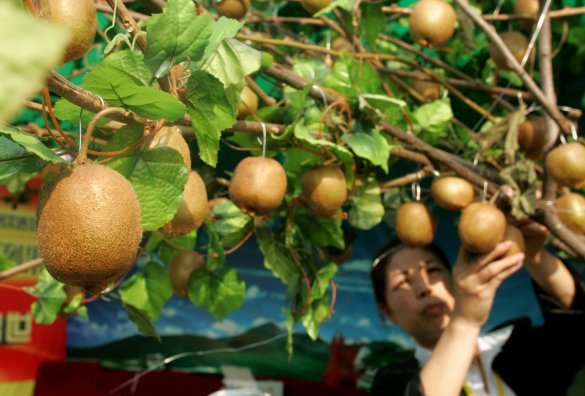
[[28, 265]]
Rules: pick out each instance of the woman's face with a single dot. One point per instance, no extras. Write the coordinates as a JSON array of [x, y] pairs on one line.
[[418, 294]]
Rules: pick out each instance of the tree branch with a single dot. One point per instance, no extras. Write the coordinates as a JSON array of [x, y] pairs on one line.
[[540, 97], [129, 23], [21, 268]]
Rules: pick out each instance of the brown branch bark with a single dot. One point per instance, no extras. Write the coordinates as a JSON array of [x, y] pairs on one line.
[[129, 23], [21, 268]]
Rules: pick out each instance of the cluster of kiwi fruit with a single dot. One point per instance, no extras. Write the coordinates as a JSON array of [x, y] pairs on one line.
[[78, 17], [432, 22]]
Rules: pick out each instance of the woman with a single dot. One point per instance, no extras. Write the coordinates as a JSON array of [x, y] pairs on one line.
[[444, 314]]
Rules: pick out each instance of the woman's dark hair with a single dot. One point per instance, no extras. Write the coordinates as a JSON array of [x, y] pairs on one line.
[[378, 271]]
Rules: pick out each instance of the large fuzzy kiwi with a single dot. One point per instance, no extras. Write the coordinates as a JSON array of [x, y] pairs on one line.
[[324, 189], [516, 42], [313, 6], [88, 226], [432, 22], [79, 17], [514, 235], [565, 164], [191, 213], [528, 8], [258, 185], [248, 103], [180, 269], [452, 192], [481, 227], [172, 137], [532, 137], [571, 211], [415, 224], [235, 9]]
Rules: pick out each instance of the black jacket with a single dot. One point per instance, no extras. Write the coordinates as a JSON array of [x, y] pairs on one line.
[[534, 361]]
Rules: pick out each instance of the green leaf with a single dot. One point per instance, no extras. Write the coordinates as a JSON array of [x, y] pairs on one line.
[[31, 143], [175, 35], [219, 293], [223, 29], [167, 251], [367, 210], [321, 281], [312, 69], [119, 88], [132, 62], [370, 145], [320, 231], [314, 315], [215, 254], [432, 119], [148, 291], [373, 22], [277, 258], [14, 160], [232, 61], [75, 306], [29, 49], [51, 297], [351, 77], [158, 176], [382, 108], [142, 321], [210, 112], [230, 223]]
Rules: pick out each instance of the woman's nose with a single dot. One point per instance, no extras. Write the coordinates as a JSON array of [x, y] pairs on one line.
[[421, 284]]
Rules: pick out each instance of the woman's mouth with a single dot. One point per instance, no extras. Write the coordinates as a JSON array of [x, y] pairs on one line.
[[433, 309]]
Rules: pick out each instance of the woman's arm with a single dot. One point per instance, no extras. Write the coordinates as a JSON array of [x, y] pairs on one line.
[[548, 271], [474, 286]]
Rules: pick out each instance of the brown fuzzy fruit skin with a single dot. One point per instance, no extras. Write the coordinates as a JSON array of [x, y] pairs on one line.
[[481, 227], [79, 17], [532, 137], [172, 137], [452, 192], [313, 6], [429, 90], [571, 211], [514, 235], [191, 213], [180, 269], [516, 42], [248, 103], [88, 226], [415, 224], [527, 8], [258, 185], [432, 22], [324, 189], [235, 9], [565, 164]]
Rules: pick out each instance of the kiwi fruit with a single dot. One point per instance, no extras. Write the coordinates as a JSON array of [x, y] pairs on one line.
[[516, 42], [429, 90], [88, 226], [452, 192], [193, 208], [324, 189], [571, 211], [481, 227], [415, 224], [235, 9], [341, 44], [258, 185], [432, 22], [314, 6], [514, 235], [248, 103], [527, 8], [172, 137], [532, 137], [565, 164], [79, 17], [180, 269]]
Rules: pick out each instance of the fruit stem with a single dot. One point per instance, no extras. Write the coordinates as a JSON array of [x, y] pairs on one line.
[[21, 268], [245, 238], [12, 287], [47, 125], [332, 304], [82, 155]]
